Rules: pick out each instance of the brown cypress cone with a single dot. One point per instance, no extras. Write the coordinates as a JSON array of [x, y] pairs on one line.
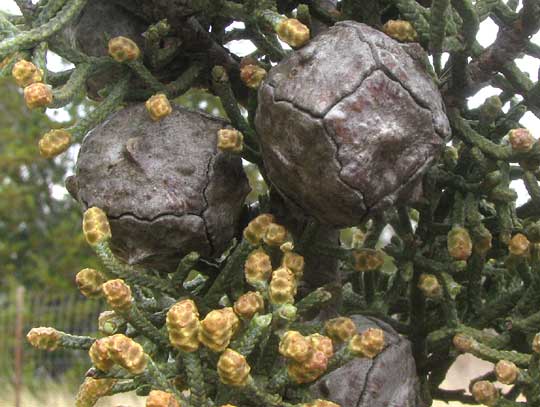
[[302, 126]]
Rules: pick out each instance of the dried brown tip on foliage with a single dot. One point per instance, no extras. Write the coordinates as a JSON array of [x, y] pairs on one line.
[[521, 139], [519, 245], [430, 286], [295, 346], [26, 73], [96, 227], [38, 95], [282, 287], [54, 142], [230, 140], [233, 368], [340, 329], [91, 390], [459, 243], [367, 344], [256, 229], [367, 259], [44, 338], [485, 392], [158, 106], [122, 49], [183, 325], [158, 398], [248, 304], [507, 372], [292, 32], [258, 267], [400, 30], [89, 282], [252, 75], [275, 235]]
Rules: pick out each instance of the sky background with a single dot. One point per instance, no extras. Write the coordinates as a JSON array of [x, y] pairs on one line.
[[486, 36]]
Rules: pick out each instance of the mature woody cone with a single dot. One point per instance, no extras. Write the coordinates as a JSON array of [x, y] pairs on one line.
[[99, 21], [389, 379], [359, 137], [165, 186]]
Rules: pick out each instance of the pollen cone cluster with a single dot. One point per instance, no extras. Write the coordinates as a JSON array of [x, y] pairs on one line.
[[233, 368], [367, 344], [183, 325], [118, 349], [308, 355], [217, 329]]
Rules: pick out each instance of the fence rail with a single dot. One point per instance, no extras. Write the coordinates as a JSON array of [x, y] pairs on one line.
[[71, 313]]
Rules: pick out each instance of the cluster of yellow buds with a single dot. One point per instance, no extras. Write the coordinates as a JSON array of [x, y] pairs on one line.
[[367, 344], [463, 343], [507, 372], [90, 282], [367, 259], [96, 226], [519, 245], [256, 229], [218, 328], [459, 243], [233, 368], [158, 398], [485, 392], [158, 106], [282, 287], [38, 95], [122, 49], [275, 235], [54, 142], [340, 329], [430, 286], [252, 75], [294, 262], [91, 390], [26, 73], [295, 346], [118, 349], [44, 338], [521, 139], [230, 140], [400, 30], [118, 295], [308, 355], [292, 32], [258, 267], [248, 304], [183, 325]]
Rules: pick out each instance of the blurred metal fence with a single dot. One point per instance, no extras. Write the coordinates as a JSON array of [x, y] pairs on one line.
[[21, 310]]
